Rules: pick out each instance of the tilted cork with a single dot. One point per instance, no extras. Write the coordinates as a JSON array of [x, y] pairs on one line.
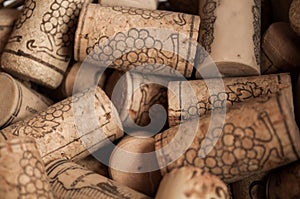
[[191, 182], [72, 128], [294, 16], [144, 4], [17, 102], [131, 38], [193, 99], [251, 137], [22, 170], [230, 34], [40, 46], [284, 182], [280, 49], [69, 180], [7, 20]]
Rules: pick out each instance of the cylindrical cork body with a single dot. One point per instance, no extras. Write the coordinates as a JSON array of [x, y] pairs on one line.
[[284, 182], [131, 38], [144, 4], [82, 76], [230, 33], [193, 99], [17, 101], [253, 187], [146, 182], [40, 46], [7, 19], [22, 170], [72, 128], [135, 95], [251, 137], [280, 49], [69, 180], [191, 182], [91, 163], [294, 16]]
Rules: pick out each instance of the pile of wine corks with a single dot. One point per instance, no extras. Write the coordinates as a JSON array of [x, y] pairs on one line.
[[136, 99]]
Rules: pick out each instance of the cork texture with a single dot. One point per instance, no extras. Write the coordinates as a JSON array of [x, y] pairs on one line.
[[69, 180], [264, 137], [17, 101], [40, 46], [71, 129], [129, 38], [22, 171], [280, 49], [230, 34], [191, 182], [212, 94], [144, 4], [294, 16]]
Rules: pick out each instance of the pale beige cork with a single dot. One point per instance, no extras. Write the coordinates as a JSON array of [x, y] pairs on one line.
[[284, 182], [193, 99], [135, 96], [7, 19], [252, 137], [40, 46], [280, 49], [17, 102], [144, 4], [253, 187], [191, 183], [69, 180], [93, 164], [22, 171], [145, 182], [294, 16], [72, 128], [230, 34], [82, 76], [159, 42]]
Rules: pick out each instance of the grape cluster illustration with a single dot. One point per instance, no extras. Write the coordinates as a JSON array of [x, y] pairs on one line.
[[32, 181], [28, 9], [60, 23], [129, 50]]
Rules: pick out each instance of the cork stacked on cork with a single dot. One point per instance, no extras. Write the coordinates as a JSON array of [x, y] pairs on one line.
[[138, 99]]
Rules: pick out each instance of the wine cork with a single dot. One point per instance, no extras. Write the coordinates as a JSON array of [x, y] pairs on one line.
[[159, 42], [230, 33], [191, 182], [39, 48], [144, 4], [72, 128], [93, 164], [185, 6], [145, 182], [285, 182], [253, 187], [280, 49], [294, 16], [69, 180], [22, 171], [17, 101], [280, 10], [7, 19], [234, 146], [83, 76], [135, 95], [214, 94]]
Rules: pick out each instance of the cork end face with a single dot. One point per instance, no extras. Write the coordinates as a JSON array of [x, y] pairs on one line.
[[37, 71], [294, 16], [10, 99]]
